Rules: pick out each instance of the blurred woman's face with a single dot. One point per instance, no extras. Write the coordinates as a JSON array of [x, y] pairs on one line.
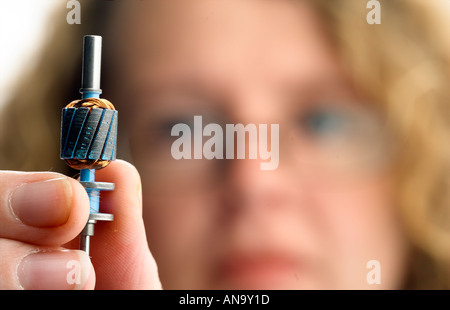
[[316, 220]]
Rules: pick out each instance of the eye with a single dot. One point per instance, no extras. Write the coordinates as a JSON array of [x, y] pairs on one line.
[[161, 129], [164, 126], [325, 123]]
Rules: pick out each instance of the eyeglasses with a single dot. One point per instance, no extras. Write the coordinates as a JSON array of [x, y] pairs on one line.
[[340, 140], [323, 140]]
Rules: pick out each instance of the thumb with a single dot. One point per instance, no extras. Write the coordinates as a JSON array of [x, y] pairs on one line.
[[119, 249]]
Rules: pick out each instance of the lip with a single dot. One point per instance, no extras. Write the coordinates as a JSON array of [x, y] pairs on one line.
[[263, 270]]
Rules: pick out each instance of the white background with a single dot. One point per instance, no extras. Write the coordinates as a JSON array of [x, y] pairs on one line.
[[22, 29]]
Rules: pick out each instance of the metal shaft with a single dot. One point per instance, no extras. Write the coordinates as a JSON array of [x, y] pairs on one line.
[[90, 88], [92, 59], [85, 243], [88, 231]]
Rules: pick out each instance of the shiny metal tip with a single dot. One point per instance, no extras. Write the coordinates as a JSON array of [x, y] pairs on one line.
[[92, 60]]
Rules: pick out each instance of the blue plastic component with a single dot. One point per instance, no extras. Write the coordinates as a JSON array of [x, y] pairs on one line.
[[88, 175], [85, 94]]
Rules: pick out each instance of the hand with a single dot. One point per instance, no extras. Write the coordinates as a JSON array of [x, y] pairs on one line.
[[41, 215]]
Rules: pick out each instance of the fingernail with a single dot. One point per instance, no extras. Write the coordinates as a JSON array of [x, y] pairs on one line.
[[42, 204], [55, 270]]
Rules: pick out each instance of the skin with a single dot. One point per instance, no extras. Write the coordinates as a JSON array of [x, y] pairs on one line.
[[314, 222]]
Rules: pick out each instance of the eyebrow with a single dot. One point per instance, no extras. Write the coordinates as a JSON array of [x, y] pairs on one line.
[[191, 86], [317, 88]]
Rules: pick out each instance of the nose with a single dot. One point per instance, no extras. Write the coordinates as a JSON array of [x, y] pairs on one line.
[[257, 206], [249, 190]]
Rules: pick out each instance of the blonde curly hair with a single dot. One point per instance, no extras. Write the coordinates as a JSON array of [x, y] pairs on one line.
[[403, 66]]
